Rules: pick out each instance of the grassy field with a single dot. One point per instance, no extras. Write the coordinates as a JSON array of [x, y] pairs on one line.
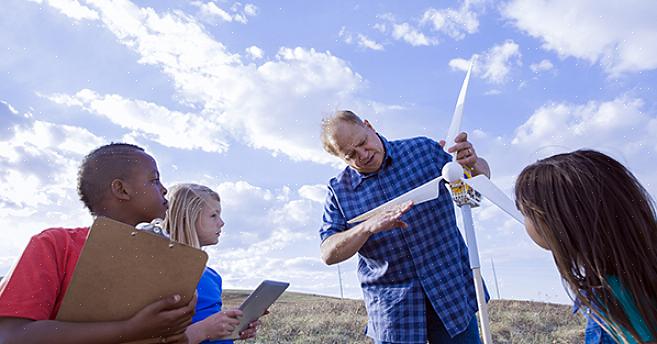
[[312, 319]]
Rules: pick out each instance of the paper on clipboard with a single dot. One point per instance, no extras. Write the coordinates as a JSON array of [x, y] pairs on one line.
[[255, 305], [121, 270]]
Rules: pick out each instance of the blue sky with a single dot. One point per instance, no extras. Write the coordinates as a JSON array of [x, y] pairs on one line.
[[231, 94]]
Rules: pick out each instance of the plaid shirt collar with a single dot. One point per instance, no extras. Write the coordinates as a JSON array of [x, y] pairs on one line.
[[357, 177]]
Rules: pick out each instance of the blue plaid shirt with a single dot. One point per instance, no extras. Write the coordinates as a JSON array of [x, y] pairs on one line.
[[398, 267]]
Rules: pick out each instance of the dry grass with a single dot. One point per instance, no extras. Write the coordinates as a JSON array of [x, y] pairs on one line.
[[312, 319]]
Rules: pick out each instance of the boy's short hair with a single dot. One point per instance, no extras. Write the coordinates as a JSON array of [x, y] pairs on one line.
[[100, 167]]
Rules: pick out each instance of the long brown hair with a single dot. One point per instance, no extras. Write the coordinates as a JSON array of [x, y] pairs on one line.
[[599, 222]]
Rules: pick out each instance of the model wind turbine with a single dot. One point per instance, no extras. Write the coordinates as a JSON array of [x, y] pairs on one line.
[[466, 192]]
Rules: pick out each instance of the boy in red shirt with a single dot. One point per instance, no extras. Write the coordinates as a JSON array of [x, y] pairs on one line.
[[119, 181]]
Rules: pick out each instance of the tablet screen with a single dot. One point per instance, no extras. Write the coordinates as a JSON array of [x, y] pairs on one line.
[[258, 302]]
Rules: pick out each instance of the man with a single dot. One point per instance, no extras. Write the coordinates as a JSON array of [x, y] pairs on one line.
[[413, 264]]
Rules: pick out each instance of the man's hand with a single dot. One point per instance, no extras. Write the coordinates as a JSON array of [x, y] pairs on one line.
[[341, 246], [466, 155], [388, 219]]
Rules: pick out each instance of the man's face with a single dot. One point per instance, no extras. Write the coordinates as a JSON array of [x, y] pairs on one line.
[[359, 146]]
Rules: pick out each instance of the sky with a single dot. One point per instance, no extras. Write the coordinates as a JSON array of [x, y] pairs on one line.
[[231, 95]]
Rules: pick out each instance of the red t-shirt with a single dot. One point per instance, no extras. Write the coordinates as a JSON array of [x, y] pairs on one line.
[[35, 286]]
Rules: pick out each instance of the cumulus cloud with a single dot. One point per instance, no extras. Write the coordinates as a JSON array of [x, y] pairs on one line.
[[455, 23], [157, 123], [597, 124], [210, 11], [360, 39], [619, 36], [542, 66], [71, 8], [273, 234], [315, 193], [495, 64], [244, 99], [366, 42], [38, 169], [255, 52], [411, 35]]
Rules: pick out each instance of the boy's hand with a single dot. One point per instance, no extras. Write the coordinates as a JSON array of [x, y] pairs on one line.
[[166, 318]]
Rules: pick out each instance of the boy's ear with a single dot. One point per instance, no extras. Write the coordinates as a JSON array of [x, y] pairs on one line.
[[120, 189]]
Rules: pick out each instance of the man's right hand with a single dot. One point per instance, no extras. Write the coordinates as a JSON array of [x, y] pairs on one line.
[[167, 318], [388, 219]]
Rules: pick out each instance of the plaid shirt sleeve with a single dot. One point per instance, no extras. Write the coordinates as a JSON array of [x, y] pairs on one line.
[[333, 220]]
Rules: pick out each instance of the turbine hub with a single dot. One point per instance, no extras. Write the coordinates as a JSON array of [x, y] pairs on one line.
[[452, 172]]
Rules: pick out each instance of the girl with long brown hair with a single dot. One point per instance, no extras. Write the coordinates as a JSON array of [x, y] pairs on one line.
[[601, 227]]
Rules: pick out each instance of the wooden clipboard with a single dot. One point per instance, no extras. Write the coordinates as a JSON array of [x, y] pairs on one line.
[[121, 270]]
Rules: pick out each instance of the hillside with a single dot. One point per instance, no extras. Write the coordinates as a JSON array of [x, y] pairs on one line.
[[304, 318]]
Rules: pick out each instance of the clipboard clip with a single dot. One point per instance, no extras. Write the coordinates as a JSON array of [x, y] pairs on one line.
[[154, 227]]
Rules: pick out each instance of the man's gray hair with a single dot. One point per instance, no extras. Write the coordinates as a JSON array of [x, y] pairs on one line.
[[330, 123]]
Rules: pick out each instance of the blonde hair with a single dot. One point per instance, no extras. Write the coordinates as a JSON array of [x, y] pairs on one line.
[[185, 204]]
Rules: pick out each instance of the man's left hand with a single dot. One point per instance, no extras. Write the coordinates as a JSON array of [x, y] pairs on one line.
[[466, 154]]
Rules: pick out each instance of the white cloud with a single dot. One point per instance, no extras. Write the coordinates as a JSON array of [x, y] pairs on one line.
[[411, 35], [498, 60], [362, 40], [71, 8], [250, 9], [255, 52], [273, 234], [542, 66], [315, 193], [38, 172], [493, 65], [365, 42], [169, 128], [620, 126], [245, 99], [619, 36], [346, 36], [211, 12], [455, 23]]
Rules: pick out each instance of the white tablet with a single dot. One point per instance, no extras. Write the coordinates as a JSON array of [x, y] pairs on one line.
[[258, 302]]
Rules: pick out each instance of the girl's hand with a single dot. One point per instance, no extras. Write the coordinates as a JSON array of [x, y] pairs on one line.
[[222, 324]]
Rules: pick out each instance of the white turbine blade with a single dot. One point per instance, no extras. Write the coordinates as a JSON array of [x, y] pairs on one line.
[[485, 187], [420, 194], [455, 125]]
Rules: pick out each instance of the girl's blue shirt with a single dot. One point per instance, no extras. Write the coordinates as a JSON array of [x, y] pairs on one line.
[[209, 299]]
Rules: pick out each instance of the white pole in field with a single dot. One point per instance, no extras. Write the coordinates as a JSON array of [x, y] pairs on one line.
[[340, 280], [497, 286]]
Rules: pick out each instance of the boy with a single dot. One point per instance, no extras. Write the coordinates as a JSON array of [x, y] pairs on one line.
[[119, 181]]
